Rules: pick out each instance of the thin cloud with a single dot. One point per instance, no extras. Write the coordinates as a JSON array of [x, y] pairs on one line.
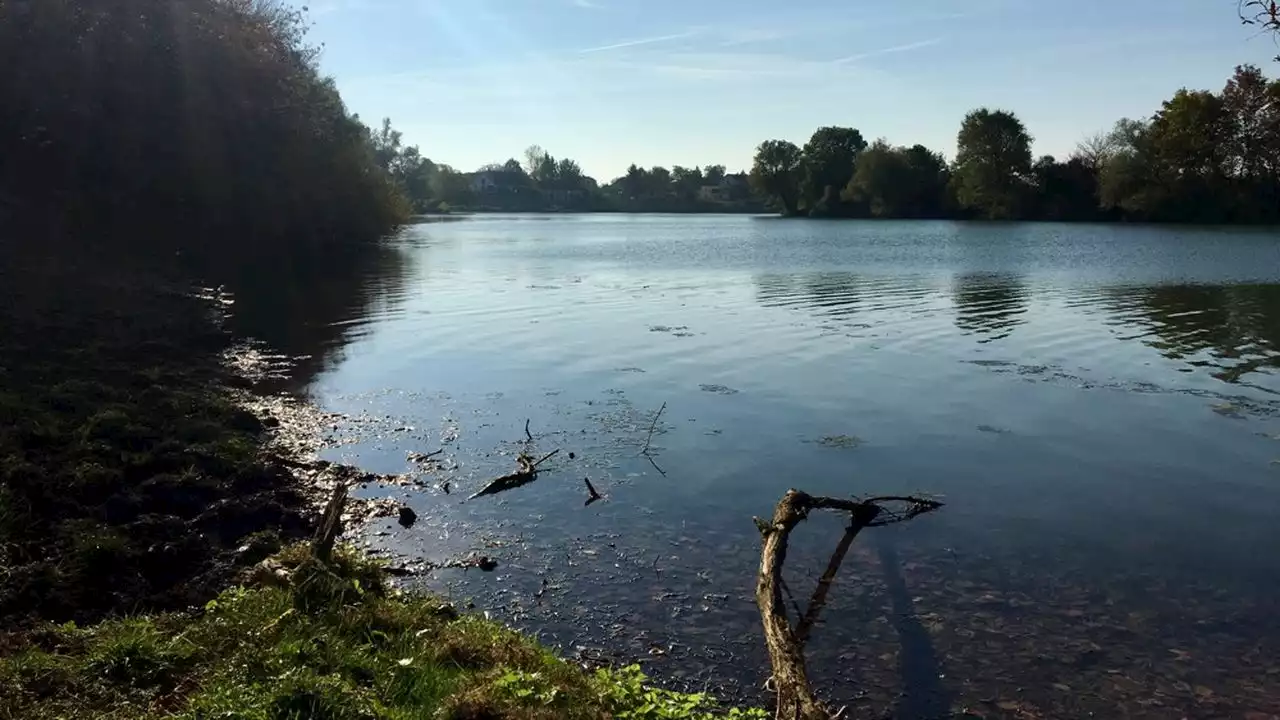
[[588, 4], [887, 51], [642, 41]]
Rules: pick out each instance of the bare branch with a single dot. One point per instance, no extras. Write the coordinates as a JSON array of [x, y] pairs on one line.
[[785, 643], [652, 425]]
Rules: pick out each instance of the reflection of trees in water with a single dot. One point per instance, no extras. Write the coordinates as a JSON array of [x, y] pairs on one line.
[[989, 303], [306, 306], [826, 293], [1238, 326]]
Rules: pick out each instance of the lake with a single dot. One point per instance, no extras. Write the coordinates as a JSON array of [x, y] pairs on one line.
[[1097, 405]]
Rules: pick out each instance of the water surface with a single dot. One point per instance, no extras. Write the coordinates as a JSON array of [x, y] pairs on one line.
[[1096, 404]]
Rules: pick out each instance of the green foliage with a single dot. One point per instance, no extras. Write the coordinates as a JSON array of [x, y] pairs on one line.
[[830, 158], [171, 124], [628, 696], [776, 173], [900, 182], [993, 161]]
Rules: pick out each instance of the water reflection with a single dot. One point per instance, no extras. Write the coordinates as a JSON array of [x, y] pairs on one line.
[[1233, 329], [310, 306], [834, 294], [991, 304]]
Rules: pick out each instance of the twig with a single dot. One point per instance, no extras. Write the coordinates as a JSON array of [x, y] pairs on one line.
[[652, 426], [654, 463], [526, 430], [544, 458]]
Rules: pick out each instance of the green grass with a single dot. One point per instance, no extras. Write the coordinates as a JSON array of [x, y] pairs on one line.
[[336, 644]]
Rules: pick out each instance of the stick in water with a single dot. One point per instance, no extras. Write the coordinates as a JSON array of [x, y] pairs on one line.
[[652, 425]]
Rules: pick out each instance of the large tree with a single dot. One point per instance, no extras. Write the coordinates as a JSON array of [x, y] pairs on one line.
[[993, 162], [899, 182], [776, 173], [829, 159]]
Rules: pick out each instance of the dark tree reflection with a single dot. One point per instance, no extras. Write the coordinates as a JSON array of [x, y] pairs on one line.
[[991, 304]]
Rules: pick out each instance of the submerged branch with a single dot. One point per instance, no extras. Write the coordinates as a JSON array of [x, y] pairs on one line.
[[796, 699]]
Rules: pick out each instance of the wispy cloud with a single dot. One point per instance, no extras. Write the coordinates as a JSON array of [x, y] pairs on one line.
[[588, 4], [887, 51], [639, 42]]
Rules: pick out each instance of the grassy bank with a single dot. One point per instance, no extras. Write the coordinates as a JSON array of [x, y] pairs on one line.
[[332, 645]]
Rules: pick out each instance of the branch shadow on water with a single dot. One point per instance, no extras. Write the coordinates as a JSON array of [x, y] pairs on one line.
[[923, 694]]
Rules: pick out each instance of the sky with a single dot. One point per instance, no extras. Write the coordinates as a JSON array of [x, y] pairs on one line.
[[696, 82]]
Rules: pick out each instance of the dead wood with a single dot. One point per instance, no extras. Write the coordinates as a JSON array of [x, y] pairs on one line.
[[796, 699], [331, 523], [525, 474], [652, 426]]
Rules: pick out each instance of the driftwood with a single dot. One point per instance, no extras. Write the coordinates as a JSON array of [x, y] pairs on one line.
[[525, 474], [796, 699], [595, 495]]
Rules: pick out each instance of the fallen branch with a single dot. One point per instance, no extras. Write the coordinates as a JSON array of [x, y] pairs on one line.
[[796, 700], [423, 457], [526, 430], [652, 426], [527, 473]]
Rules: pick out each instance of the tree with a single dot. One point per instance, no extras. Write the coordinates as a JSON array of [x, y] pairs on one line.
[[659, 184], [829, 159], [1094, 150], [713, 174], [1065, 191], [1263, 13], [899, 182], [569, 174], [1125, 179], [688, 181], [533, 157], [993, 160], [776, 172], [634, 182]]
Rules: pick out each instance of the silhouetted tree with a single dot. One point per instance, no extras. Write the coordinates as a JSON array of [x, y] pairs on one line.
[[993, 159], [776, 173], [829, 159]]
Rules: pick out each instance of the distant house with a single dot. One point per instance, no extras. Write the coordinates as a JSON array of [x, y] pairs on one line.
[[488, 182], [731, 187]]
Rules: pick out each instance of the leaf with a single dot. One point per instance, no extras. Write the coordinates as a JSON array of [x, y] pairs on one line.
[[405, 662]]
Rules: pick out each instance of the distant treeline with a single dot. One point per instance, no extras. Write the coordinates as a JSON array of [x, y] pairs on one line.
[[1203, 157], [542, 183], [180, 125]]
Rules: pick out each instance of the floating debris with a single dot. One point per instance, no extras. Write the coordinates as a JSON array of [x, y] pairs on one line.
[[718, 389], [841, 442]]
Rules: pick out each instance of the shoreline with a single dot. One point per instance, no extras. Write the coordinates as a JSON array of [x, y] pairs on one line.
[[189, 648]]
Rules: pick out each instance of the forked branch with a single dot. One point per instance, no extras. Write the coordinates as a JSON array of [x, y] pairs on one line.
[[796, 700]]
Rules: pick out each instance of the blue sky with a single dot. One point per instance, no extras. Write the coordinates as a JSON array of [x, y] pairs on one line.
[[693, 82]]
